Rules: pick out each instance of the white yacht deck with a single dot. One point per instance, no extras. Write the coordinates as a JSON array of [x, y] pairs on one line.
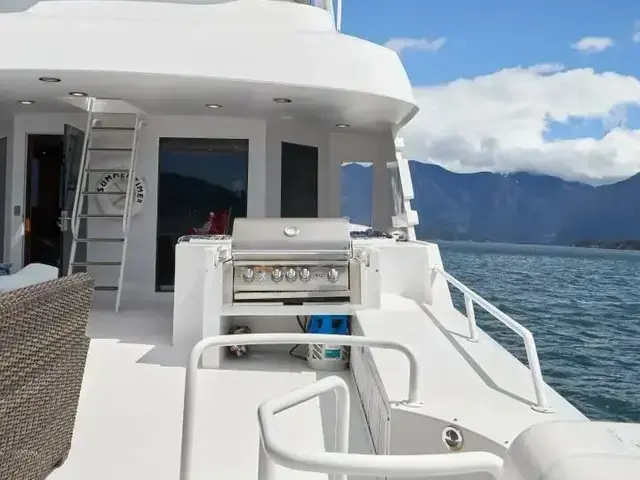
[[130, 414], [478, 385]]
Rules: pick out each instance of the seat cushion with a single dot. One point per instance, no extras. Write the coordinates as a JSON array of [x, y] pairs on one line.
[[32, 274]]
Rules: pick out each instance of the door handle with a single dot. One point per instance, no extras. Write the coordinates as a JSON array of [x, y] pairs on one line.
[[63, 221]]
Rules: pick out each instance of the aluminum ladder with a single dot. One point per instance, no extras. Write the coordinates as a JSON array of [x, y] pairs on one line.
[[111, 135]]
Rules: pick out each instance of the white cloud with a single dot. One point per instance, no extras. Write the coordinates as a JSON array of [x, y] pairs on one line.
[[498, 122], [636, 31], [401, 44], [593, 44]]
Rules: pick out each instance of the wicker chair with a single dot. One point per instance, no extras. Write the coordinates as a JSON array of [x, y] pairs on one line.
[[43, 350]]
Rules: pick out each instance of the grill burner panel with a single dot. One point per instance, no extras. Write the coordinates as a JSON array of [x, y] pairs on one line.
[[291, 278], [301, 259]]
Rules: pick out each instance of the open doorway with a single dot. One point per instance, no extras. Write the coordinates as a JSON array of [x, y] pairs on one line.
[[45, 159]]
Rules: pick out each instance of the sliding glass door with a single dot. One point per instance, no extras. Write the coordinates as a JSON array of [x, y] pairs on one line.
[[202, 187]]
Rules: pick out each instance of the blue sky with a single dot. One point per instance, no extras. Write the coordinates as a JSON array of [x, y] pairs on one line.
[[487, 35], [571, 122]]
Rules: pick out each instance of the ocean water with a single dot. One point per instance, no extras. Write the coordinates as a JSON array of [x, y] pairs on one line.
[[582, 306]]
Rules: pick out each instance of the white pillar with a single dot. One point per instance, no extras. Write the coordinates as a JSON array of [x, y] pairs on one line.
[[382, 201]]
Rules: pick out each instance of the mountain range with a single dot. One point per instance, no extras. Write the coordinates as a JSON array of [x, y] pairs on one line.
[[513, 208]]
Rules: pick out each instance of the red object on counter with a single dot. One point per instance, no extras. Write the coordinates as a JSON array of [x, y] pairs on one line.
[[216, 224]]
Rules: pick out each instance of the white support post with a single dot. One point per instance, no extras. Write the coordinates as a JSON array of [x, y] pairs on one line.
[[271, 449], [471, 317], [266, 466]]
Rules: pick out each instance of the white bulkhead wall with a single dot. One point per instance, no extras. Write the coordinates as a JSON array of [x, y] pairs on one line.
[[265, 139]]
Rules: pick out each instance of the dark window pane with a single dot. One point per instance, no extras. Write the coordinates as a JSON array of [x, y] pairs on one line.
[[299, 181], [196, 176]]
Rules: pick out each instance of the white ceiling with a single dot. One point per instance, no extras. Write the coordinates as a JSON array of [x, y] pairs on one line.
[[182, 95]]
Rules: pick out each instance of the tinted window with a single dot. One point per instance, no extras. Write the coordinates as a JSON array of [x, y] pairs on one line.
[[196, 177]]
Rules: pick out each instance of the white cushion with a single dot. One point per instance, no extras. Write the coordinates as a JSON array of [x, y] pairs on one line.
[[575, 451], [32, 274]]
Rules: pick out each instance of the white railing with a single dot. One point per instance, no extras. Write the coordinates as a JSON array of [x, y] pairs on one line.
[[471, 297], [130, 197], [81, 181], [190, 389], [339, 464], [131, 193]]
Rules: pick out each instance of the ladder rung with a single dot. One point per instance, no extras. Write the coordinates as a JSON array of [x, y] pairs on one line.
[[98, 239], [104, 193], [107, 170], [99, 215], [105, 288], [117, 129], [110, 149], [91, 263]]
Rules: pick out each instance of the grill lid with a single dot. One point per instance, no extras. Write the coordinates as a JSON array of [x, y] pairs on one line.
[[287, 237]]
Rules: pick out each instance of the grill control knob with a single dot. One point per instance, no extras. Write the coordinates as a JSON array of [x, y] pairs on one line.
[[305, 274], [333, 275], [248, 274], [290, 275], [276, 275]]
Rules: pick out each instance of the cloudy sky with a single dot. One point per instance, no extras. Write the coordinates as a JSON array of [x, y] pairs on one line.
[[503, 85]]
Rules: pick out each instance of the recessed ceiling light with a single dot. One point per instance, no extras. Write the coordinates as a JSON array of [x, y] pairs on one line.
[[77, 94], [342, 125], [213, 105], [49, 79], [26, 102], [282, 100]]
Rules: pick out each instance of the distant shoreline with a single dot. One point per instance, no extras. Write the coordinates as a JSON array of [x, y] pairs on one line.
[[618, 245], [609, 245]]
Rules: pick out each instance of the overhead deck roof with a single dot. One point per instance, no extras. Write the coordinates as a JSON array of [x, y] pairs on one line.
[[176, 58]]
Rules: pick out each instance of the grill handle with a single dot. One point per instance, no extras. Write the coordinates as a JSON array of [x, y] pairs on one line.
[[292, 254]]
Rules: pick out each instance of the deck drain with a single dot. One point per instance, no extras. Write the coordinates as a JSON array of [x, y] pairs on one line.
[[452, 438]]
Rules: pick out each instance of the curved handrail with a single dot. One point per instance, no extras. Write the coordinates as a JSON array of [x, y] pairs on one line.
[[542, 404], [186, 459], [342, 463]]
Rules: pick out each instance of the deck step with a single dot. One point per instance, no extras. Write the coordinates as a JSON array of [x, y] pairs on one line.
[[115, 129], [110, 149], [96, 263], [99, 215], [100, 239], [91, 192], [106, 288], [107, 170]]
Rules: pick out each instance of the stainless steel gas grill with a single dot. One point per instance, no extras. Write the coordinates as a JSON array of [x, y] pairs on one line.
[[292, 261]]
